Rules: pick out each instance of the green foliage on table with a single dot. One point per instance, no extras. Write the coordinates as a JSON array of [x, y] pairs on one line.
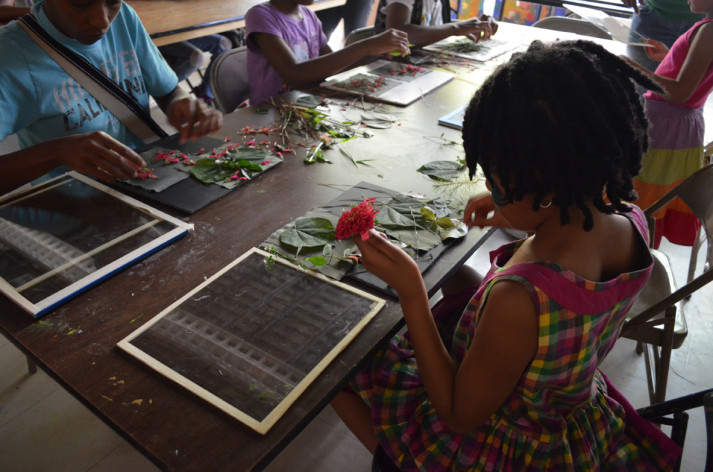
[[308, 233], [247, 161], [418, 225], [441, 170]]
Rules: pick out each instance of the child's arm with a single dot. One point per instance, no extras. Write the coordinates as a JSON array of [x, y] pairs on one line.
[[398, 16], [311, 72], [96, 154], [504, 343], [190, 116], [480, 211], [634, 4], [697, 62], [658, 50]]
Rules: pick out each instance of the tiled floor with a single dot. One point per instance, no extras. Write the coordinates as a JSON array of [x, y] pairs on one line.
[[43, 428]]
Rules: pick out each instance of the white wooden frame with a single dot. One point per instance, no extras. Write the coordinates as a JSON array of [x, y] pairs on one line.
[[261, 426], [40, 308]]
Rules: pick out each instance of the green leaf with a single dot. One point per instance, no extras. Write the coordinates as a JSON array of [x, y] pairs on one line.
[[427, 214], [316, 154], [392, 219], [458, 230], [439, 209], [317, 260], [377, 120], [441, 170], [255, 155], [245, 164], [208, 171], [398, 53], [309, 101], [422, 240], [308, 233], [446, 223]]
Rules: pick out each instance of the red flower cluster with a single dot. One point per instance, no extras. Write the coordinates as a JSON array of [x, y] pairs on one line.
[[146, 173], [358, 220], [408, 69]]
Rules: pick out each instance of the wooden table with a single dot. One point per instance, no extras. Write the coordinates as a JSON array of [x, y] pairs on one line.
[[169, 21], [76, 344], [171, 426]]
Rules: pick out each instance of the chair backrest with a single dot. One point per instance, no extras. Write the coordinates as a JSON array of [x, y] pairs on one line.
[[673, 413], [696, 192], [660, 283], [359, 34], [229, 79], [572, 25]]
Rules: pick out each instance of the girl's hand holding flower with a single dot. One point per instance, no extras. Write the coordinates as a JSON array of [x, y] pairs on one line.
[[388, 262]]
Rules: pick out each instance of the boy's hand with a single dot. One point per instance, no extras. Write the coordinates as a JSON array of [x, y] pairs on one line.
[[99, 155], [388, 41], [477, 29], [193, 118]]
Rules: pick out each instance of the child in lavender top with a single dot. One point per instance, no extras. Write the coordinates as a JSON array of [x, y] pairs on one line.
[[287, 48]]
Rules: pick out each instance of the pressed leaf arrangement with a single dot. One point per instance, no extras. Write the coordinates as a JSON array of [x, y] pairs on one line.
[[322, 238]]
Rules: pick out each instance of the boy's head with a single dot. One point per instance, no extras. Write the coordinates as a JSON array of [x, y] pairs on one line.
[[563, 119], [87, 21]]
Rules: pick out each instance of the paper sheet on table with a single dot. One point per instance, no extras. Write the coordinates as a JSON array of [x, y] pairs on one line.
[[619, 31], [166, 176]]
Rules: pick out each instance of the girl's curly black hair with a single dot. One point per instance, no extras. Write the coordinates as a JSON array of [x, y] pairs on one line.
[[563, 118]]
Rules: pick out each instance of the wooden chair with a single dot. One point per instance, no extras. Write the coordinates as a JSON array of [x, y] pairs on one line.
[[673, 413], [656, 320], [572, 25], [701, 237], [229, 79], [359, 34]]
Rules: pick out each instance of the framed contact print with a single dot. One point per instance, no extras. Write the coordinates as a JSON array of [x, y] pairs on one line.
[[253, 337], [65, 235]]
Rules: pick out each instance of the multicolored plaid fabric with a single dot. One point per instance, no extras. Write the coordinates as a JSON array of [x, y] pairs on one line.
[[559, 417]]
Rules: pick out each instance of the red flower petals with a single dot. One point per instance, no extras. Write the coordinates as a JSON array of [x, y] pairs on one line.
[[146, 173], [357, 220]]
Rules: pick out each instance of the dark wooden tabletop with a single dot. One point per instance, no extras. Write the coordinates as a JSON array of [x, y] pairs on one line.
[[76, 344]]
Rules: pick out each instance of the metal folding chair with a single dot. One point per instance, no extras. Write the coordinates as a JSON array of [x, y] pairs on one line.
[[656, 320]]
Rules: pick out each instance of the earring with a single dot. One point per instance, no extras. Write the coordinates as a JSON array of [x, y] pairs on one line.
[[547, 205]]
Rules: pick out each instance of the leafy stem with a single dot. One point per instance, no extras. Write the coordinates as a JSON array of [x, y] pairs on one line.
[[324, 259], [442, 140]]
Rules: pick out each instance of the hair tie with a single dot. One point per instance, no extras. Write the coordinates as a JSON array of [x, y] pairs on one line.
[[549, 204]]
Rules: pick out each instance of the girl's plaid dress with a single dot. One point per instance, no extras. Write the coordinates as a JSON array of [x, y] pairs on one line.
[[560, 416]]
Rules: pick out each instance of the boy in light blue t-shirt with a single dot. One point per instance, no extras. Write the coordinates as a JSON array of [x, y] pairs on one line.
[[57, 121]]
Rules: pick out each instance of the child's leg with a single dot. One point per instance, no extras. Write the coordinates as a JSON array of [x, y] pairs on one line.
[[357, 416]]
